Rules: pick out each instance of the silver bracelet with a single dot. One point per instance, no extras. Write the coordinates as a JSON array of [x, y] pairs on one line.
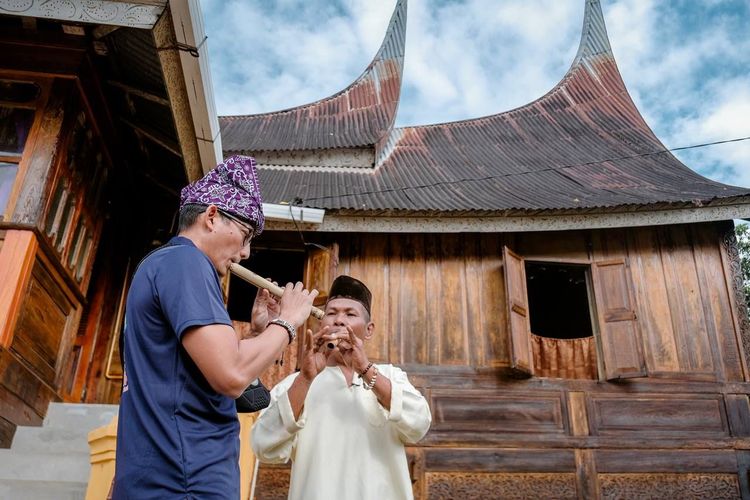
[[369, 385], [285, 324]]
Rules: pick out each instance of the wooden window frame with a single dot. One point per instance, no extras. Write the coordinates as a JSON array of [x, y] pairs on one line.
[[79, 201], [22, 160], [614, 361]]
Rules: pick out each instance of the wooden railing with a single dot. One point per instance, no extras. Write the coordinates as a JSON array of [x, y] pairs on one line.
[[103, 443]]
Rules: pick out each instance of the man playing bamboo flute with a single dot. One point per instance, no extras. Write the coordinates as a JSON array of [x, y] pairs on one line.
[[178, 433], [342, 420]]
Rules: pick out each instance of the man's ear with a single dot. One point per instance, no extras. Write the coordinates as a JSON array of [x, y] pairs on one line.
[[369, 330], [210, 216]]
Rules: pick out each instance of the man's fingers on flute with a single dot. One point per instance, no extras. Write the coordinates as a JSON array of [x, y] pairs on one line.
[[317, 337], [309, 339]]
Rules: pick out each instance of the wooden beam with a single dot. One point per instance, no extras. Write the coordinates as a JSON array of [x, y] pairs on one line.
[[155, 136], [174, 80], [140, 93], [103, 30]]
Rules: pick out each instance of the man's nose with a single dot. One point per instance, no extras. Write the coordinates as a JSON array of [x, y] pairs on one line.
[[245, 252]]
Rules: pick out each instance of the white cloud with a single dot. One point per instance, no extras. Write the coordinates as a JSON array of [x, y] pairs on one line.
[[727, 117]]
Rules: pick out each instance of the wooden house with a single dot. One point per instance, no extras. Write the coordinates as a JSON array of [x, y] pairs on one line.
[[103, 118], [563, 290]]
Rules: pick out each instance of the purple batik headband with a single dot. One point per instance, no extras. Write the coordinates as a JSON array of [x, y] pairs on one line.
[[233, 187]]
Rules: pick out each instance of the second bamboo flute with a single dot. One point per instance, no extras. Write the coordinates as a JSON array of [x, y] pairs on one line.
[[261, 282]]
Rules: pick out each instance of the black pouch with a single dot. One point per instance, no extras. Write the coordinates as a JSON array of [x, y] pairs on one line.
[[255, 398]]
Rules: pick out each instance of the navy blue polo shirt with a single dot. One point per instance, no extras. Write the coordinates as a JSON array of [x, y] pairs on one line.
[[176, 437]]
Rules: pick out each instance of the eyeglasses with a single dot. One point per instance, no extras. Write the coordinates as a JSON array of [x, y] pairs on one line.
[[250, 230]]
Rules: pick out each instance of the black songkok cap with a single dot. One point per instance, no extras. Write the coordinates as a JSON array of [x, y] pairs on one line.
[[346, 287]]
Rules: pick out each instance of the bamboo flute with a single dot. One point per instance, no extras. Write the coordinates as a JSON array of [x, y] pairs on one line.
[[261, 282]]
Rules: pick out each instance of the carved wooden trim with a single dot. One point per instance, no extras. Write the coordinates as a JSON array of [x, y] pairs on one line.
[[500, 485], [729, 244], [684, 486], [131, 14], [272, 482]]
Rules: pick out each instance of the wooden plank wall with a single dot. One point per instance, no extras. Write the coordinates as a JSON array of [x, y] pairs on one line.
[[439, 298]]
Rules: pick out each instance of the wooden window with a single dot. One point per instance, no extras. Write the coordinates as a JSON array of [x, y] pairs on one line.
[[562, 336], [8, 172], [558, 300], [75, 211], [567, 308], [18, 102]]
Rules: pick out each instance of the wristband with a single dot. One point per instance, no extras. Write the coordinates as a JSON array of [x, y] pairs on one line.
[[369, 385], [364, 372], [287, 325]]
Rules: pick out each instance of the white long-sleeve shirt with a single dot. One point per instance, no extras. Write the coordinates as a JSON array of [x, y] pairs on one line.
[[344, 445]]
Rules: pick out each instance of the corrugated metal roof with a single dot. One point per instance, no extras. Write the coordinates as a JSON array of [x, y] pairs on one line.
[[359, 115], [582, 147]]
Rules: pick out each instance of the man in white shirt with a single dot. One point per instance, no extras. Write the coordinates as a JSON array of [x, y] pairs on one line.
[[343, 420]]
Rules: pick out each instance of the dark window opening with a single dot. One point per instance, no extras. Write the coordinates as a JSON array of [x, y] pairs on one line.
[[558, 300], [282, 266], [562, 340]]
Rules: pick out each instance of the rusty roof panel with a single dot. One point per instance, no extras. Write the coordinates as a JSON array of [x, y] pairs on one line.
[[360, 115], [582, 147]]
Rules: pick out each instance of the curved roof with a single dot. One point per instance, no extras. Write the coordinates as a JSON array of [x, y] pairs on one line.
[[359, 115], [581, 147]]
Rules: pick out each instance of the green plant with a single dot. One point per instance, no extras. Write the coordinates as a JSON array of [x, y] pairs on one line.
[[743, 245]]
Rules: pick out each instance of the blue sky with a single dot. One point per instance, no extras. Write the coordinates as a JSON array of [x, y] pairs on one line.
[[686, 63]]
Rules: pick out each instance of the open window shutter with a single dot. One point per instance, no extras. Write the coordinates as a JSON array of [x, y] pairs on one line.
[[320, 270], [620, 338], [517, 313]]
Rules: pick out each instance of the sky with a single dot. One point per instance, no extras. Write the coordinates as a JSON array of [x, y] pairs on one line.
[[685, 63]]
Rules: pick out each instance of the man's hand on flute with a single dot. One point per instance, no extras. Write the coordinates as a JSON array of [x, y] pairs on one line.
[[265, 308]]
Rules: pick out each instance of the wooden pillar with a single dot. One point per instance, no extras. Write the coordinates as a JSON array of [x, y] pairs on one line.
[[586, 476]]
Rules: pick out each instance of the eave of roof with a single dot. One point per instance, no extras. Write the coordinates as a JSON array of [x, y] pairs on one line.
[[360, 115], [141, 14], [522, 221]]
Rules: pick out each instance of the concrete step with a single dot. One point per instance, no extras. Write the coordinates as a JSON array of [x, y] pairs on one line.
[[51, 462], [75, 415], [65, 428], [34, 490], [40, 466]]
